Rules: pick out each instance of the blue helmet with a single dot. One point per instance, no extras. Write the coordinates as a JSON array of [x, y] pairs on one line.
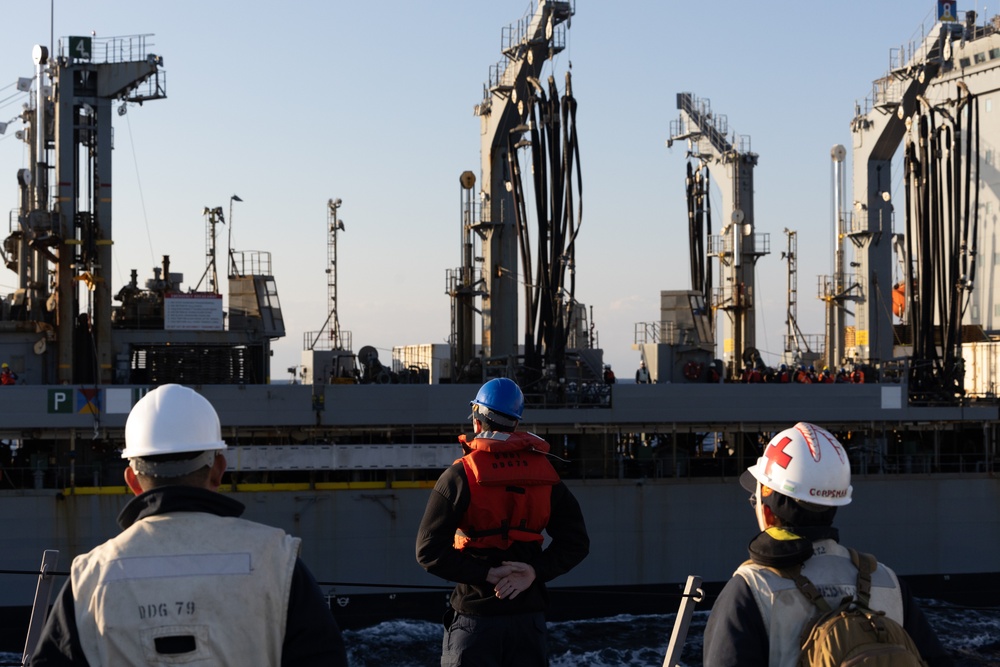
[[501, 395]]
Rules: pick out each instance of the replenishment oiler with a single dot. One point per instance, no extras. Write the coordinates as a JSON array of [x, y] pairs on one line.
[[346, 457]]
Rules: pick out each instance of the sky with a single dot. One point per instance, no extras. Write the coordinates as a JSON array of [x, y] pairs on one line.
[[288, 105]]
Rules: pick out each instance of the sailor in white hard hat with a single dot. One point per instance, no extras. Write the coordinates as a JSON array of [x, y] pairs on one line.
[[187, 580], [796, 487], [642, 373]]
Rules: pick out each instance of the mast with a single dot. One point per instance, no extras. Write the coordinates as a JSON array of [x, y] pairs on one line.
[[334, 224], [839, 288], [213, 216], [74, 230], [464, 285], [793, 351]]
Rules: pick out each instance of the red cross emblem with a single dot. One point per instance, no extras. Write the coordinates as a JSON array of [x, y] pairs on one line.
[[776, 454]]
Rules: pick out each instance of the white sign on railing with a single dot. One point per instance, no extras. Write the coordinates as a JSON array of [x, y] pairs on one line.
[[193, 312]]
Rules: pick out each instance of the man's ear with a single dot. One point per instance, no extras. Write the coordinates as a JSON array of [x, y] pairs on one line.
[[217, 471]]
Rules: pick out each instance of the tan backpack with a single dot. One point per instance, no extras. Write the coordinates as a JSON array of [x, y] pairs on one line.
[[853, 634]]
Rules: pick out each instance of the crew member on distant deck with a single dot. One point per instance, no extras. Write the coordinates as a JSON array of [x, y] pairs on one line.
[[758, 619], [482, 528], [784, 376], [7, 376], [642, 374], [187, 581], [609, 375]]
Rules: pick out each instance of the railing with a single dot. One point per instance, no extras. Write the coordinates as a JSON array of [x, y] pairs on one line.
[[828, 287], [651, 455], [813, 343], [456, 283], [123, 49], [646, 332], [517, 34], [251, 263], [721, 245], [905, 61], [327, 339]]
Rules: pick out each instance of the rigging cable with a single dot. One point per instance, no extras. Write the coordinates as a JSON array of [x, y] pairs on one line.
[[142, 202]]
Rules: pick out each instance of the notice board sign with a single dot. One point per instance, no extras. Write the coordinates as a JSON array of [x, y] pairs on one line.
[[192, 312]]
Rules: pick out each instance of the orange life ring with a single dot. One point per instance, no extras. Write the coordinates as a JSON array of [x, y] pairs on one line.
[[692, 371]]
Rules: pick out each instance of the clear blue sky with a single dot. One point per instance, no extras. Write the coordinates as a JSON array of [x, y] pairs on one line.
[[290, 104]]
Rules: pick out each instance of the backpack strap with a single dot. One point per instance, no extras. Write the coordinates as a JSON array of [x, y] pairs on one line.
[[805, 586], [866, 564]]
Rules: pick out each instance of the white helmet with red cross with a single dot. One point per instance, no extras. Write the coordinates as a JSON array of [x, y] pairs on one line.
[[807, 463]]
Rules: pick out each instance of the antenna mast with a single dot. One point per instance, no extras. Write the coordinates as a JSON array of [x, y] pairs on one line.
[[334, 224], [793, 353], [214, 216]]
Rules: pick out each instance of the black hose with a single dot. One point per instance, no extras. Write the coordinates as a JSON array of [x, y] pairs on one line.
[[942, 237], [555, 161]]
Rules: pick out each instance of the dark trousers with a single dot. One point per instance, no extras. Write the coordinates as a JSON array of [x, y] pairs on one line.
[[517, 640]]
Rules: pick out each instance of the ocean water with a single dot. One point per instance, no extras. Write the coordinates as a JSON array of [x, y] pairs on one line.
[[972, 636]]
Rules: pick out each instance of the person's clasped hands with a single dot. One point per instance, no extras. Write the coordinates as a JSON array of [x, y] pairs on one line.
[[511, 578]]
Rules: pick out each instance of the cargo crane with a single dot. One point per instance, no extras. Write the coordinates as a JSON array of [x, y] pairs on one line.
[[878, 132], [738, 246], [526, 45], [928, 103]]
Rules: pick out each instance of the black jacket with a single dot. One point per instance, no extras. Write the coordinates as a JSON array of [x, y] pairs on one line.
[[311, 633], [468, 568]]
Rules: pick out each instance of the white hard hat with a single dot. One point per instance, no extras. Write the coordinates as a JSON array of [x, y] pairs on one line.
[[806, 463], [171, 419]]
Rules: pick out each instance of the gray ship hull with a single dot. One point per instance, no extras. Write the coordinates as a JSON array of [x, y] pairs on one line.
[[938, 531]]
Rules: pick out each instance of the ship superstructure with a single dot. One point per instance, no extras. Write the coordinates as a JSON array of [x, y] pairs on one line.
[[61, 325]]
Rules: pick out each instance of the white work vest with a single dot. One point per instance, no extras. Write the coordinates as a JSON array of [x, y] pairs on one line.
[[786, 610], [187, 588]]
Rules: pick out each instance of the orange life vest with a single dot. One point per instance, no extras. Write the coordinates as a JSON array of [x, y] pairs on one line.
[[510, 490]]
